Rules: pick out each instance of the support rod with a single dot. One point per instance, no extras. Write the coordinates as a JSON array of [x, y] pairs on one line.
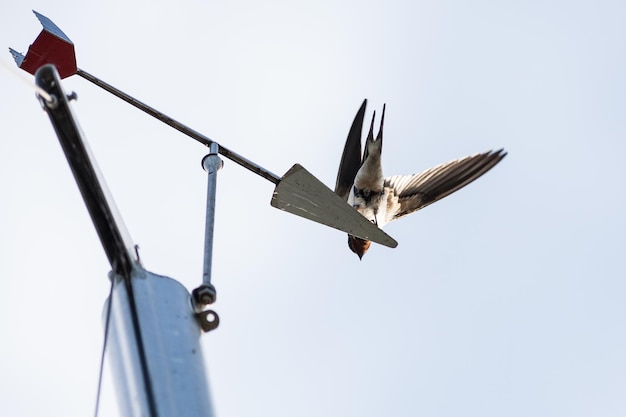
[[205, 294], [211, 163], [235, 157]]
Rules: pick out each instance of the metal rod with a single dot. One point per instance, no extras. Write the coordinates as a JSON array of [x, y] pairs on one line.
[[246, 163], [206, 294], [211, 163], [113, 235]]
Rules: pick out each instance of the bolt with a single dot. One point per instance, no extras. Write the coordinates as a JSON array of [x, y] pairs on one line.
[[204, 294]]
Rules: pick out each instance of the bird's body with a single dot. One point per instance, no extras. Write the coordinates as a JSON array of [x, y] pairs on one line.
[[381, 200], [366, 194]]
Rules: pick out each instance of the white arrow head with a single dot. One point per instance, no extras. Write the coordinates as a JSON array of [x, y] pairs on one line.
[[300, 193]]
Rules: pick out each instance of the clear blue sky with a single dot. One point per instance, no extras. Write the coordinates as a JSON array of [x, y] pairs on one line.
[[506, 298]]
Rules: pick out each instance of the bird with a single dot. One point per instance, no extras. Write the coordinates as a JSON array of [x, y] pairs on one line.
[[380, 199]]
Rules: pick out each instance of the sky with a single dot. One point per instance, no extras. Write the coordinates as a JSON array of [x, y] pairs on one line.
[[505, 298]]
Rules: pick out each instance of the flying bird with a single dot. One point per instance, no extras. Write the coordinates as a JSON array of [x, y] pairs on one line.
[[360, 181]]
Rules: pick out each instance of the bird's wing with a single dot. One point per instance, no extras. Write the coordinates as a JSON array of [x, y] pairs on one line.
[[351, 158], [413, 192]]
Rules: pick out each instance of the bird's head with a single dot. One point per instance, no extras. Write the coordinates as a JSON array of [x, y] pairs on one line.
[[358, 245]]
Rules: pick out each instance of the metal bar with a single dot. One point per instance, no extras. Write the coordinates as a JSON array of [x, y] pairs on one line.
[[113, 235], [233, 156], [211, 163], [206, 294]]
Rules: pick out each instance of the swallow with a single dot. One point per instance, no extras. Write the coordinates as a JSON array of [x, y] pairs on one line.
[[360, 180]]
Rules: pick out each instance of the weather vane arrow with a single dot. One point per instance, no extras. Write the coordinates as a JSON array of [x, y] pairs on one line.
[[297, 192]]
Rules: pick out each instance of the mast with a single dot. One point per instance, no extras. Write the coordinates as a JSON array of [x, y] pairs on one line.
[[154, 333]]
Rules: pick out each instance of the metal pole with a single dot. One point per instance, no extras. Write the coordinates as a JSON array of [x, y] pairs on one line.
[[154, 335], [205, 294], [211, 163], [154, 348], [233, 156]]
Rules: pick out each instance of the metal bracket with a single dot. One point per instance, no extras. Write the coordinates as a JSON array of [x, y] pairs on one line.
[[208, 320]]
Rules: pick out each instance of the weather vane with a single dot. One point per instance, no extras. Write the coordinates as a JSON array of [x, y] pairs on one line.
[[153, 325]]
